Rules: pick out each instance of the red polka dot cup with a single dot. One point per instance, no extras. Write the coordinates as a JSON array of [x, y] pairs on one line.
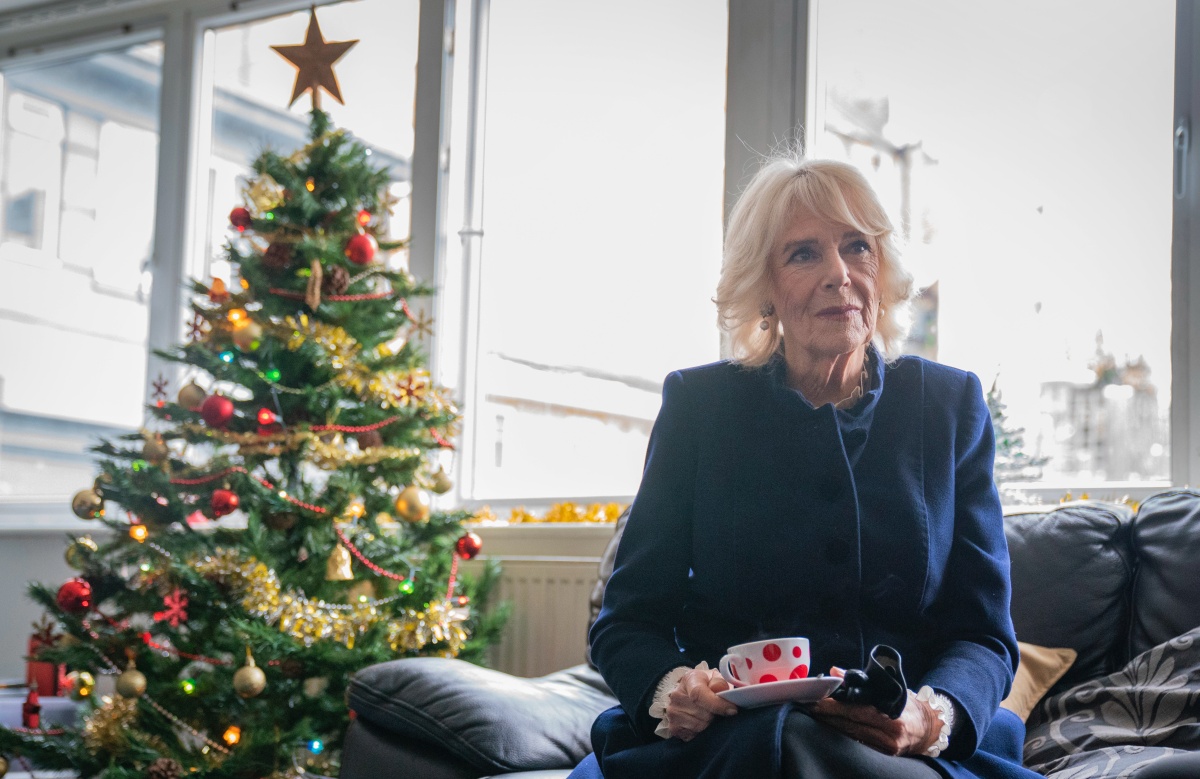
[[773, 660]]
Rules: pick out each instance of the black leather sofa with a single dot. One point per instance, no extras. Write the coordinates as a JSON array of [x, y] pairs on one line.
[[1118, 586]]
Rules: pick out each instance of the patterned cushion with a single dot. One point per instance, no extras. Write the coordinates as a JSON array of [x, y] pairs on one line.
[[1115, 724]]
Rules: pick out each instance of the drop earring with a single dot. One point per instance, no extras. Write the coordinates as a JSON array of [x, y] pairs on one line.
[[768, 310]]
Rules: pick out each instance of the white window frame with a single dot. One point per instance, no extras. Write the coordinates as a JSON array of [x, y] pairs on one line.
[[41, 34], [772, 50], [769, 94]]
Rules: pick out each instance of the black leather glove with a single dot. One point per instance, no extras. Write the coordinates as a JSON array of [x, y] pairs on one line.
[[881, 685]]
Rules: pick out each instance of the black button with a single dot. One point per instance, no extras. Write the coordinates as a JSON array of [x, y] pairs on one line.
[[829, 607], [830, 489], [838, 550]]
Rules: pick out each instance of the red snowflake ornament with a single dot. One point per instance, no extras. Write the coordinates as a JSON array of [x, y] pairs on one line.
[[176, 609]]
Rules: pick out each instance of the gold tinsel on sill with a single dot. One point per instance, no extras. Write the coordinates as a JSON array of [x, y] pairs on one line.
[[308, 620], [559, 512]]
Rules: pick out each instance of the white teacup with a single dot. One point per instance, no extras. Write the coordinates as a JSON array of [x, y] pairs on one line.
[[773, 660]]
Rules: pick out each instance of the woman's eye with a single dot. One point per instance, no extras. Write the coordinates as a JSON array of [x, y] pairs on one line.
[[802, 255], [859, 247]]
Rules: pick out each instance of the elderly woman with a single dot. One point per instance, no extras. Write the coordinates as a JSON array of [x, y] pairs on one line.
[[819, 485]]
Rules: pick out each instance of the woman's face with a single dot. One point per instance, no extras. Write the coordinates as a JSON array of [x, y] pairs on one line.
[[824, 286]]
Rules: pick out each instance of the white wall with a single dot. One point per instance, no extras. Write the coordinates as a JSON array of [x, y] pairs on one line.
[[25, 556]]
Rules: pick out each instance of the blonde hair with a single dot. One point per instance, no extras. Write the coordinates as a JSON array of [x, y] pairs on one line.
[[783, 187]]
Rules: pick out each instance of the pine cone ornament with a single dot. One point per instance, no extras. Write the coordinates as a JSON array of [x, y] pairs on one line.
[[278, 256], [164, 768], [336, 281]]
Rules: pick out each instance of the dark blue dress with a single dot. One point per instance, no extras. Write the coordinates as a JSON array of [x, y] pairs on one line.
[[759, 515]]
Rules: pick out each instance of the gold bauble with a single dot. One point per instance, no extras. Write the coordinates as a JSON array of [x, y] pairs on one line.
[[80, 552], [155, 451], [338, 569], [249, 681], [81, 684], [248, 336], [131, 683], [87, 504], [3, 766], [413, 504], [192, 396], [441, 482]]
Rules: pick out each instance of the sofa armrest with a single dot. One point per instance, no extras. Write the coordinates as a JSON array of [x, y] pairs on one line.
[[492, 720]]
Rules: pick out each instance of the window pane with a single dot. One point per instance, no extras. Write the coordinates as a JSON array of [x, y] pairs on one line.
[[78, 167], [1031, 170], [252, 86], [602, 234]]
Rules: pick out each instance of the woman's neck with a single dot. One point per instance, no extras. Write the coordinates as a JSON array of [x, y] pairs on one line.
[[824, 379]]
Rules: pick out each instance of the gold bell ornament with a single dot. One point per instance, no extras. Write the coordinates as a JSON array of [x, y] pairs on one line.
[[249, 681], [132, 682], [155, 450], [413, 504], [441, 481], [3, 766], [337, 568]]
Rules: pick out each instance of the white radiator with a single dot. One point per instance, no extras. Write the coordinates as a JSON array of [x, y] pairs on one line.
[[547, 574]]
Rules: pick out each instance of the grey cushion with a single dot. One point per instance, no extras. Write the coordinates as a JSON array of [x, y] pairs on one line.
[[1085, 546], [1117, 724], [490, 720], [1166, 586]]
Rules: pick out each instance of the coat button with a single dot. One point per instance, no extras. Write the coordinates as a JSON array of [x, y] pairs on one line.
[[837, 551], [830, 489]]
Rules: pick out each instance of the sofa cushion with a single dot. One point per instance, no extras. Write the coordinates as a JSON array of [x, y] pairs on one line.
[[1087, 545], [496, 722], [1039, 669], [1166, 584], [1113, 725]]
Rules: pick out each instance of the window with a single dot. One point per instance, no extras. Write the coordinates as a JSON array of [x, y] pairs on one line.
[[1031, 172], [78, 167], [252, 84], [602, 190]]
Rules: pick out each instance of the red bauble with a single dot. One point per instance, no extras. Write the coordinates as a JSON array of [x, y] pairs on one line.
[[239, 218], [361, 248], [75, 596], [468, 546], [224, 502], [217, 410]]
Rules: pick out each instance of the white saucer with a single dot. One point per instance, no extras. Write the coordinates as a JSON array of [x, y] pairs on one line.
[[795, 690]]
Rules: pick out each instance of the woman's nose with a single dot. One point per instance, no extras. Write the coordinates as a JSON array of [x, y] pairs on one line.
[[837, 272]]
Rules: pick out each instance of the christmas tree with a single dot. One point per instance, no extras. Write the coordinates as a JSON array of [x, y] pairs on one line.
[[1012, 462], [308, 417]]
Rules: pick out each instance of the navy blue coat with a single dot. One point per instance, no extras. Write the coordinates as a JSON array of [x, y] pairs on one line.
[[761, 516]]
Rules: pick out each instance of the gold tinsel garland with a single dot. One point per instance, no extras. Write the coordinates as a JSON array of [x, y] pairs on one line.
[[106, 729], [307, 620], [559, 512]]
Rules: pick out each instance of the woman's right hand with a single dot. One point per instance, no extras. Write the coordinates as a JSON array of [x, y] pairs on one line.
[[693, 703]]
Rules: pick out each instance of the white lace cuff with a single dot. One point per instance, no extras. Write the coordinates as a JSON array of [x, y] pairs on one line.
[[667, 685], [943, 707]]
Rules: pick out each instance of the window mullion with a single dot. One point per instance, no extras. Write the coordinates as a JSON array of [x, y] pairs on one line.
[[1185, 274]]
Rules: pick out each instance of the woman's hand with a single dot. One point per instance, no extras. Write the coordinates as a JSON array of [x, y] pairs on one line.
[[914, 731], [693, 703]]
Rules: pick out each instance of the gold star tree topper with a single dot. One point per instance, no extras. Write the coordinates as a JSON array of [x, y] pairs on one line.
[[314, 63]]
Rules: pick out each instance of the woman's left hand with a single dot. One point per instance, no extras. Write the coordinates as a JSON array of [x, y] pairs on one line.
[[914, 731]]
